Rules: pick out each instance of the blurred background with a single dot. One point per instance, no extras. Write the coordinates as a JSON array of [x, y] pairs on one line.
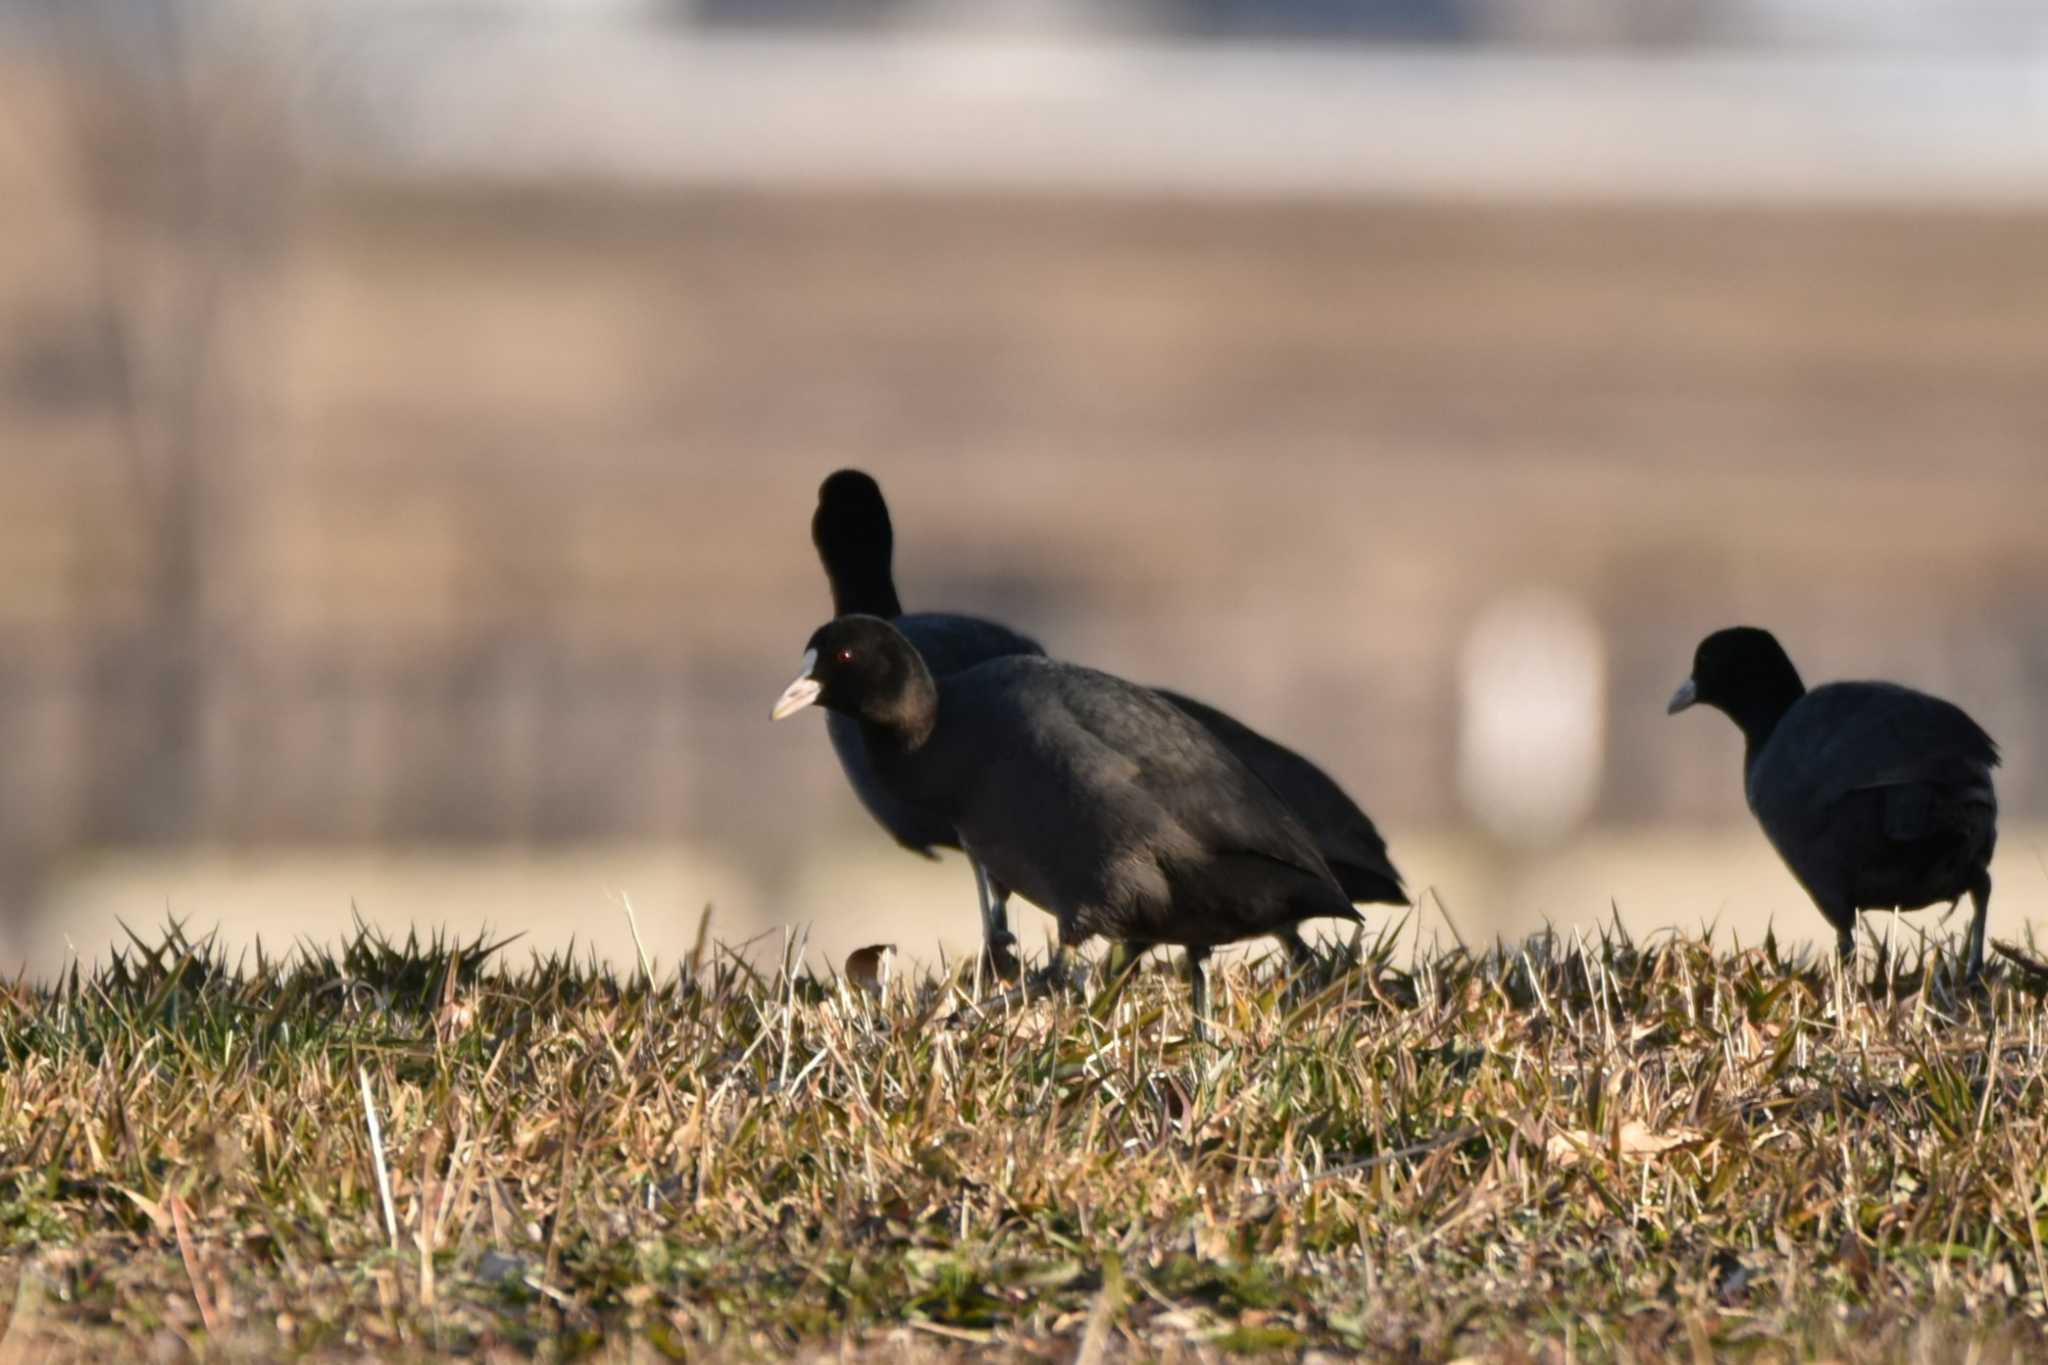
[[411, 412]]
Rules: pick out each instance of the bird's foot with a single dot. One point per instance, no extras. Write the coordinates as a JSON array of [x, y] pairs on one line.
[[999, 958], [1054, 980], [1062, 976], [1969, 975]]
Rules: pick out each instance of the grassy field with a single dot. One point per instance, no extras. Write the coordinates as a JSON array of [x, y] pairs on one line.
[[1569, 1149]]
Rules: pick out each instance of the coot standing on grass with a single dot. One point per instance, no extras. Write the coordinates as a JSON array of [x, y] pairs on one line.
[[1093, 797], [1876, 796], [855, 541]]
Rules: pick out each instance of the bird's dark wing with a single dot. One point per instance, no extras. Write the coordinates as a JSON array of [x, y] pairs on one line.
[[1853, 735], [1180, 768], [1343, 834], [1868, 736], [951, 644]]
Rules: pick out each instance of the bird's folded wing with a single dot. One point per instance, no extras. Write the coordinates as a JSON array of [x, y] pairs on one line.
[[1861, 736], [951, 643], [1184, 769]]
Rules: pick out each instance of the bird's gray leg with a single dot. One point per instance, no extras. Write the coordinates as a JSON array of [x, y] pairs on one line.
[[1980, 904], [999, 945], [1198, 991]]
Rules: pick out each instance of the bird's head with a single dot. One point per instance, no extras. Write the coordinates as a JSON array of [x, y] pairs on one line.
[[1743, 672], [862, 666]]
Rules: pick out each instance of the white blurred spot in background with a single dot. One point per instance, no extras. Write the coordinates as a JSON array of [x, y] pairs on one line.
[[1532, 685]]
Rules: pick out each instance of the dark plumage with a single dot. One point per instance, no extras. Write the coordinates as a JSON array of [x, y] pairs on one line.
[[1093, 797], [855, 542], [1876, 796], [1344, 834]]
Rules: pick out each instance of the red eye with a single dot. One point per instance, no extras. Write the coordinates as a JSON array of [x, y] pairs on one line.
[[846, 656]]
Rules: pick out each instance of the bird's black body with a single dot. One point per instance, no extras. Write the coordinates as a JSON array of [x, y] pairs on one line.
[[855, 542], [1877, 797], [1097, 800], [1093, 797], [1344, 834], [948, 644]]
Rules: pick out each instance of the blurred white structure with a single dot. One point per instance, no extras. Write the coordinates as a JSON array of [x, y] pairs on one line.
[[1532, 692]]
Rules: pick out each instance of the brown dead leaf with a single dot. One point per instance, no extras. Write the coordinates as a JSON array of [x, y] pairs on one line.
[[1635, 1139], [868, 968]]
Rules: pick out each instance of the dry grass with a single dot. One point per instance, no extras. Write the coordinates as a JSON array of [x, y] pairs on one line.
[[1562, 1150]]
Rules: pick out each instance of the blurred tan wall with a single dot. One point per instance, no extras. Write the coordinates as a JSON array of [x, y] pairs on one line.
[[496, 531]]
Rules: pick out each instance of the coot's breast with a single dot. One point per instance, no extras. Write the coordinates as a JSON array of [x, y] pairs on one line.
[[915, 827]]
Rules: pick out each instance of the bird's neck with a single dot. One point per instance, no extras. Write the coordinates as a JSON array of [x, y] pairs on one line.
[[865, 589], [1757, 716], [902, 726]]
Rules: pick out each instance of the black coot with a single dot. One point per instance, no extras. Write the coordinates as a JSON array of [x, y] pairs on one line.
[[1876, 796], [855, 541], [1092, 797]]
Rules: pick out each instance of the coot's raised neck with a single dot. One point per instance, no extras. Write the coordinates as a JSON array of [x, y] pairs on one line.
[[1770, 690], [854, 543], [863, 587]]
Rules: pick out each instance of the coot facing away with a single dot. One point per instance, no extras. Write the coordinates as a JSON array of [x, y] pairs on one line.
[[1876, 796], [1091, 796]]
